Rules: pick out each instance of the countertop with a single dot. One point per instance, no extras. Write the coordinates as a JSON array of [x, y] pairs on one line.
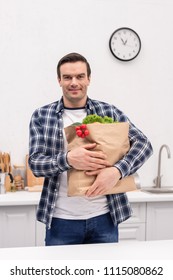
[[157, 250], [32, 198], [133, 250], [19, 198]]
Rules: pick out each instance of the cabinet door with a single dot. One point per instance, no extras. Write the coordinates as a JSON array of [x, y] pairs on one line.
[[17, 226], [159, 220], [134, 227], [40, 234]]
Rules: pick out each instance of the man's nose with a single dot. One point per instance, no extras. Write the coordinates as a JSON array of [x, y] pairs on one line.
[[73, 81]]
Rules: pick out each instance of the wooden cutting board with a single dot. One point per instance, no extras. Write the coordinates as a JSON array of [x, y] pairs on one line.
[[37, 188]]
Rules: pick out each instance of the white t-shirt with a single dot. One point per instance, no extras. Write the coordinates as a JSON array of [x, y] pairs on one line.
[[76, 207]]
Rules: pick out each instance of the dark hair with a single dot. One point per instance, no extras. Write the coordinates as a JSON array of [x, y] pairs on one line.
[[73, 57]]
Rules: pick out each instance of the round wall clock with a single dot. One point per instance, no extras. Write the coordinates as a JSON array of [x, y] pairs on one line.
[[125, 44]]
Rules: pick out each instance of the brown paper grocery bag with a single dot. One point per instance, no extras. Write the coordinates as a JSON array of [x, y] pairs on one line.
[[126, 184], [112, 139]]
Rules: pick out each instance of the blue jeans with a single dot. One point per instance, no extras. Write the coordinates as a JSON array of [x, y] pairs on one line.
[[99, 229]]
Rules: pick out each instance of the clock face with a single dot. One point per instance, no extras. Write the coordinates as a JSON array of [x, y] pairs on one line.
[[125, 44]]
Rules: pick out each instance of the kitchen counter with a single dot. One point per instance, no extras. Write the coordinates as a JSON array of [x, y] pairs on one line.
[[140, 196], [151, 218], [149, 250], [19, 198], [32, 198]]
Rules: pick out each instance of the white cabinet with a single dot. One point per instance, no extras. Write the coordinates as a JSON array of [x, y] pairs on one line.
[[151, 220], [40, 234], [159, 220], [17, 226], [134, 227]]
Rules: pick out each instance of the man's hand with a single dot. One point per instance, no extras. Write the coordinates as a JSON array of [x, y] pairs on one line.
[[84, 158], [106, 179]]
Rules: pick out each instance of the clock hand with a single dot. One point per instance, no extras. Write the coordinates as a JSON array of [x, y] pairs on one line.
[[122, 41]]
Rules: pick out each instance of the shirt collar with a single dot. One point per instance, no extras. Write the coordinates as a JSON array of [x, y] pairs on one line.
[[60, 106]]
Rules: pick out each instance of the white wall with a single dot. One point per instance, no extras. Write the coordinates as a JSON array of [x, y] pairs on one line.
[[35, 34]]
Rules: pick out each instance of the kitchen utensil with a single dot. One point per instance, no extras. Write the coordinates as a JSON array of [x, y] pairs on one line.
[[2, 166], [2, 182], [6, 159]]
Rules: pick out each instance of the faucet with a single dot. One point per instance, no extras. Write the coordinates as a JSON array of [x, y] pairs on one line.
[[158, 178]]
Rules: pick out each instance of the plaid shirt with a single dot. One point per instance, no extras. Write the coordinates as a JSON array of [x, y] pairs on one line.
[[47, 157]]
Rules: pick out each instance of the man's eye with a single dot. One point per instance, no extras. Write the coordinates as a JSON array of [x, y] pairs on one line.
[[67, 78], [80, 77]]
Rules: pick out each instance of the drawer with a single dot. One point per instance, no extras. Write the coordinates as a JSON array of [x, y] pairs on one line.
[[132, 232]]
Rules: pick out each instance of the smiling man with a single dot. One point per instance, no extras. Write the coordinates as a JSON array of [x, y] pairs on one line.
[[93, 218], [74, 80]]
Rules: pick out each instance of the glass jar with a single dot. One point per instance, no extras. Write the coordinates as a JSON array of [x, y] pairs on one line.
[[19, 177]]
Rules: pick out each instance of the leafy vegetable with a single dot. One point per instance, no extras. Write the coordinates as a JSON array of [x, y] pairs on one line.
[[81, 129], [95, 118]]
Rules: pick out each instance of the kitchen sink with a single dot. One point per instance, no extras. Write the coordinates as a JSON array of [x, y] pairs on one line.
[[158, 190]]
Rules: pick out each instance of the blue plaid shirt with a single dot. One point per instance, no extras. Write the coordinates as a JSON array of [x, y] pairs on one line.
[[47, 157]]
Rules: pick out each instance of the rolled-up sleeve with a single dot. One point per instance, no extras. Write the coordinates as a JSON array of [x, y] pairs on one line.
[[44, 160]]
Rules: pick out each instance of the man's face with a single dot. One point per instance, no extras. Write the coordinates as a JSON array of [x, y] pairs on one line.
[[74, 82]]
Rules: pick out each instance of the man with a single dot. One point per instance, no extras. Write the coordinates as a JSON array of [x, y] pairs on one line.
[[93, 218]]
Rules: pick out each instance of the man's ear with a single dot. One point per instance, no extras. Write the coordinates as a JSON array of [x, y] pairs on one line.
[[59, 81], [89, 80]]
